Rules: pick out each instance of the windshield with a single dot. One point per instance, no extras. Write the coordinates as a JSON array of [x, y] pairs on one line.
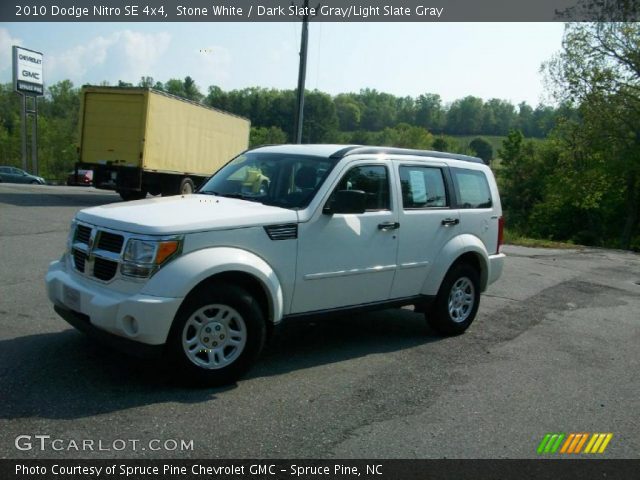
[[288, 181]]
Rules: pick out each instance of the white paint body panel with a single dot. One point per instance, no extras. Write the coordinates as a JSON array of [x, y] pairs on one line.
[[336, 261], [184, 214]]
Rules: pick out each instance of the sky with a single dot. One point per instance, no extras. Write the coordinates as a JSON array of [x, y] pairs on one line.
[[453, 60]]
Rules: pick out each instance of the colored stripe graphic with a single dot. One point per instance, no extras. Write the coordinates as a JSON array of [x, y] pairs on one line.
[[574, 443], [598, 442], [550, 443]]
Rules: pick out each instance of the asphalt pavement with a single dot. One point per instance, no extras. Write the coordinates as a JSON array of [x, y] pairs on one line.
[[554, 349]]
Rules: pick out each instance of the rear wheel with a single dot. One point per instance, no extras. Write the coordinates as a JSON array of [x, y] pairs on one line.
[[457, 302], [217, 334], [186, 186]]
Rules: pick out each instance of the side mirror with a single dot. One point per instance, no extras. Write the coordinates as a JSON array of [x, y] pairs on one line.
[[346, 201]]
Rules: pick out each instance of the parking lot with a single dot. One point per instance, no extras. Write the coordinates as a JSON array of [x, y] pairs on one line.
[[554, 349]]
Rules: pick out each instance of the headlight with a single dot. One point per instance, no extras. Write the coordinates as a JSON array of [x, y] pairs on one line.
[[143, 257]]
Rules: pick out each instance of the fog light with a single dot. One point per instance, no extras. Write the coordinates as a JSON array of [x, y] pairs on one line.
[[130, 325], [137, 270]]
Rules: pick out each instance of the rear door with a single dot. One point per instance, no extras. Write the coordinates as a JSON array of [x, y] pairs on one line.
[[428, 220]]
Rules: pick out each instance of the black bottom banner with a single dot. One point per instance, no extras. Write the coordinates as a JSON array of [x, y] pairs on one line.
[[318, 469]]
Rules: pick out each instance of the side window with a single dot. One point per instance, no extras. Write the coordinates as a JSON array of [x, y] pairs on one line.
[[472, 188], [422, 187], [373, 180]]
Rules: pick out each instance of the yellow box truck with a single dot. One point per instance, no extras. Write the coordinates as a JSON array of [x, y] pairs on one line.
[[140, 140]]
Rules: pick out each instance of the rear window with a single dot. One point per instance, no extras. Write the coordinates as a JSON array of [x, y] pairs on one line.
[[422, 187], [472, 188]]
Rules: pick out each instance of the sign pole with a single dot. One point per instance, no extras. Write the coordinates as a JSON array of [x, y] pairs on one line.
[[23, 131], [34, 137]]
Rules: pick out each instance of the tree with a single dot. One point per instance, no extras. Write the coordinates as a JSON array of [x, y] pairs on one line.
[[429, 112], [521, 182], [482, 149], [267, 136], [465, 116], [440, 144], [598, 71], [146, 82]]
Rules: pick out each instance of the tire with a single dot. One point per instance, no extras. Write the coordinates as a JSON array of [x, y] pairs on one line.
[[128, 195], [457, 301], [186, 186], [222, 354], [34, 182]]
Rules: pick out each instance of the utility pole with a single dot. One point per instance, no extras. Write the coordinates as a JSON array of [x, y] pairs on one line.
[[302, 72]]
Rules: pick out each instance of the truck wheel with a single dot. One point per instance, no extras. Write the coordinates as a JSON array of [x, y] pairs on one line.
[[128, 195], [186, 186], [457, 302], [217, 334]]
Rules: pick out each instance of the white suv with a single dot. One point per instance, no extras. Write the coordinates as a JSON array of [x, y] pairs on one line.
[[282, 232]]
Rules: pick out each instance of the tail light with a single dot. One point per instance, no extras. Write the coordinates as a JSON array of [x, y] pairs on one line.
[[500, 233]]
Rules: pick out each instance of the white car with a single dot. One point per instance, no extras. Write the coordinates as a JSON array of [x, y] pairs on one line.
[[203, 278]]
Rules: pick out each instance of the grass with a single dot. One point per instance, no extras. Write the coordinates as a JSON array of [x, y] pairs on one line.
[[513, 238]]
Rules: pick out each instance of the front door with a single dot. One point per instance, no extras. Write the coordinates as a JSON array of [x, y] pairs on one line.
[[349, 259]]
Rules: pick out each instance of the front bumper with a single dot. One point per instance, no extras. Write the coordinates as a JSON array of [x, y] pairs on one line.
[[82, 323], [90, 306]]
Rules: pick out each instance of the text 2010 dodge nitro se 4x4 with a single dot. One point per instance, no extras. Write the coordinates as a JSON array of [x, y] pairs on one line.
[[282, 232]]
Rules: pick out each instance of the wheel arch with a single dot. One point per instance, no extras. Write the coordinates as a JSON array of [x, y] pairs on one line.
[[196, 270], [461, 249]]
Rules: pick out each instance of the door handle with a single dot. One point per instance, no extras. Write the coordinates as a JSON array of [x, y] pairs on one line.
[[449, 222], [388, 226]]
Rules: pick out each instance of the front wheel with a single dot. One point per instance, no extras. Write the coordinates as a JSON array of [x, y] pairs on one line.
[[457, 302], [217, 334]]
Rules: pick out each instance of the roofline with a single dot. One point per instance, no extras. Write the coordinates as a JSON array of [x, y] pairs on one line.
[[96, 88], [362, 150]]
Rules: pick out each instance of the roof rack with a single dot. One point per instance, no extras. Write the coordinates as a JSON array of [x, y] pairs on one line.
[[360, 150]]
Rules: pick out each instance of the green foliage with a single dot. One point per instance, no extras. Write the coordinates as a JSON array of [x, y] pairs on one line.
[[440, 144], [598, 73], [267, 136], [482, 148]]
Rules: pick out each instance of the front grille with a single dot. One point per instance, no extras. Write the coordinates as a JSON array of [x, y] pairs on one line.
[[104, 269], [93, 252], [110, 242], [83, 234], [79, 259]]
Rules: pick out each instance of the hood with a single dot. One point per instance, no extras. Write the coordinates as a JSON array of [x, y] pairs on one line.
[[183, 214]]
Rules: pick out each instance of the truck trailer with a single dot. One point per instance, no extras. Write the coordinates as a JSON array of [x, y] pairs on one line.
[[140, 140]]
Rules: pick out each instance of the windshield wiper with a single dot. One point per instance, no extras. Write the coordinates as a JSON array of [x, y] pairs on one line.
[[235, 195]]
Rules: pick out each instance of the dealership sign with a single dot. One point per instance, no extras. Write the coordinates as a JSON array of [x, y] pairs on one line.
[[27, 71]]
